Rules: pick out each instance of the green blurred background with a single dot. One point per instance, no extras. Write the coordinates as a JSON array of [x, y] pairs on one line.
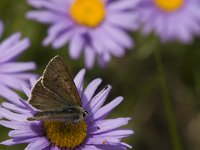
[[137, 77]]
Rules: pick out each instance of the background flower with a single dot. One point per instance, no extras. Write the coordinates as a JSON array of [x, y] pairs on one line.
[[134, 76], [94, 26], [12, 73], [101, 133], [171, 20], [1, 28]]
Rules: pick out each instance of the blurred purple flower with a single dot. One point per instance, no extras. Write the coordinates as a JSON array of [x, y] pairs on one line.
[[171, 20], [98, 27], [1, 28], [13, 74], [101, 133]]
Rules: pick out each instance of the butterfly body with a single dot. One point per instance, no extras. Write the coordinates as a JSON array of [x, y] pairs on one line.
[[70, 115], [55, 95]]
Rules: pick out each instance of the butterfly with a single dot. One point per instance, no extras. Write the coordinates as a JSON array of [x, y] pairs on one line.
[[55, 95]]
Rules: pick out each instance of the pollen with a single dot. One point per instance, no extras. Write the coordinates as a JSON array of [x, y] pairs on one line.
[[88, 13], [66, 135], [104, 142], [169, 5]]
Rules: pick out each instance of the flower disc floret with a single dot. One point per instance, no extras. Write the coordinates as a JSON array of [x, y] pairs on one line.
[[66, 135], [88, 12], [169, 5]]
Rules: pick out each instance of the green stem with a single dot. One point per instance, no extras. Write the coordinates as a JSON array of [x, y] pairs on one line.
[[167, 103]]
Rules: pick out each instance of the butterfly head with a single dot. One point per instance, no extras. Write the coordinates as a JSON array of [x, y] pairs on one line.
[[77, 113], [83, 112]]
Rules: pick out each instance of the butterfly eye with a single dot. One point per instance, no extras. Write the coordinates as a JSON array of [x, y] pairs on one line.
[[85, 113]]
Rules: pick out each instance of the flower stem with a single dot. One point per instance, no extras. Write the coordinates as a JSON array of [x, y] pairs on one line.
[[167, 103]]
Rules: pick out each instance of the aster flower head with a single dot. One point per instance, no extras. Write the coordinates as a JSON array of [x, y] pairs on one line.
[[93, 132], [12, 73], [172, 19], [96, 27]]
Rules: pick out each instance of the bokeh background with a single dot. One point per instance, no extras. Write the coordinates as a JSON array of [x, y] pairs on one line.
[[138, 77]]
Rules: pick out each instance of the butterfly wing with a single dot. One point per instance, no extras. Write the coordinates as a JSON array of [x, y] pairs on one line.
[[58, 79], [46, 100]]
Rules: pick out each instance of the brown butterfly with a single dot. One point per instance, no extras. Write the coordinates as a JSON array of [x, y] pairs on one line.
[[55, 95]]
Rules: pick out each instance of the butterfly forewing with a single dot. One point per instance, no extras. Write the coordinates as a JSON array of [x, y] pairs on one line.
[[46, 100], [58, 79]]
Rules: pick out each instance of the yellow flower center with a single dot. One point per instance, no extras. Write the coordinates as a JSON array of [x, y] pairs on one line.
[[66, 135], [88, 12], [169, 5]]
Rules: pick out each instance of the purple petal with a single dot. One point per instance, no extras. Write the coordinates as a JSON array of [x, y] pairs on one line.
[[117, 134], [62, 3], [25, 76], [17, 67], [27, 91], [10, 95], [63, 38], [15, 50], [33, 81], [35, 3], [26, 132], [105, 110], [75, 46], [129, 20], [99, 99], [103, 140], [90, 90], [79, 79], [126, 145], [110, 124], [108, 44], [119, 36], [118, 146], [88, 147], [122, 5], [49, 6], [89, 57], [98, 47], [12, 40], [194, 9], [14, 142], [184, 34], [19, 124], [39, 144], [104, 59], [54, 148], [55, 30], [15, 108], [12, 116], [59, 3], [12, 82], [44, 16]]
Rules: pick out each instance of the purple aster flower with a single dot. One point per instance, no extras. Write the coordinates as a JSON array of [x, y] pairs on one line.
[[98, 27], [94, 132], [172, 19], [13, 74]]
